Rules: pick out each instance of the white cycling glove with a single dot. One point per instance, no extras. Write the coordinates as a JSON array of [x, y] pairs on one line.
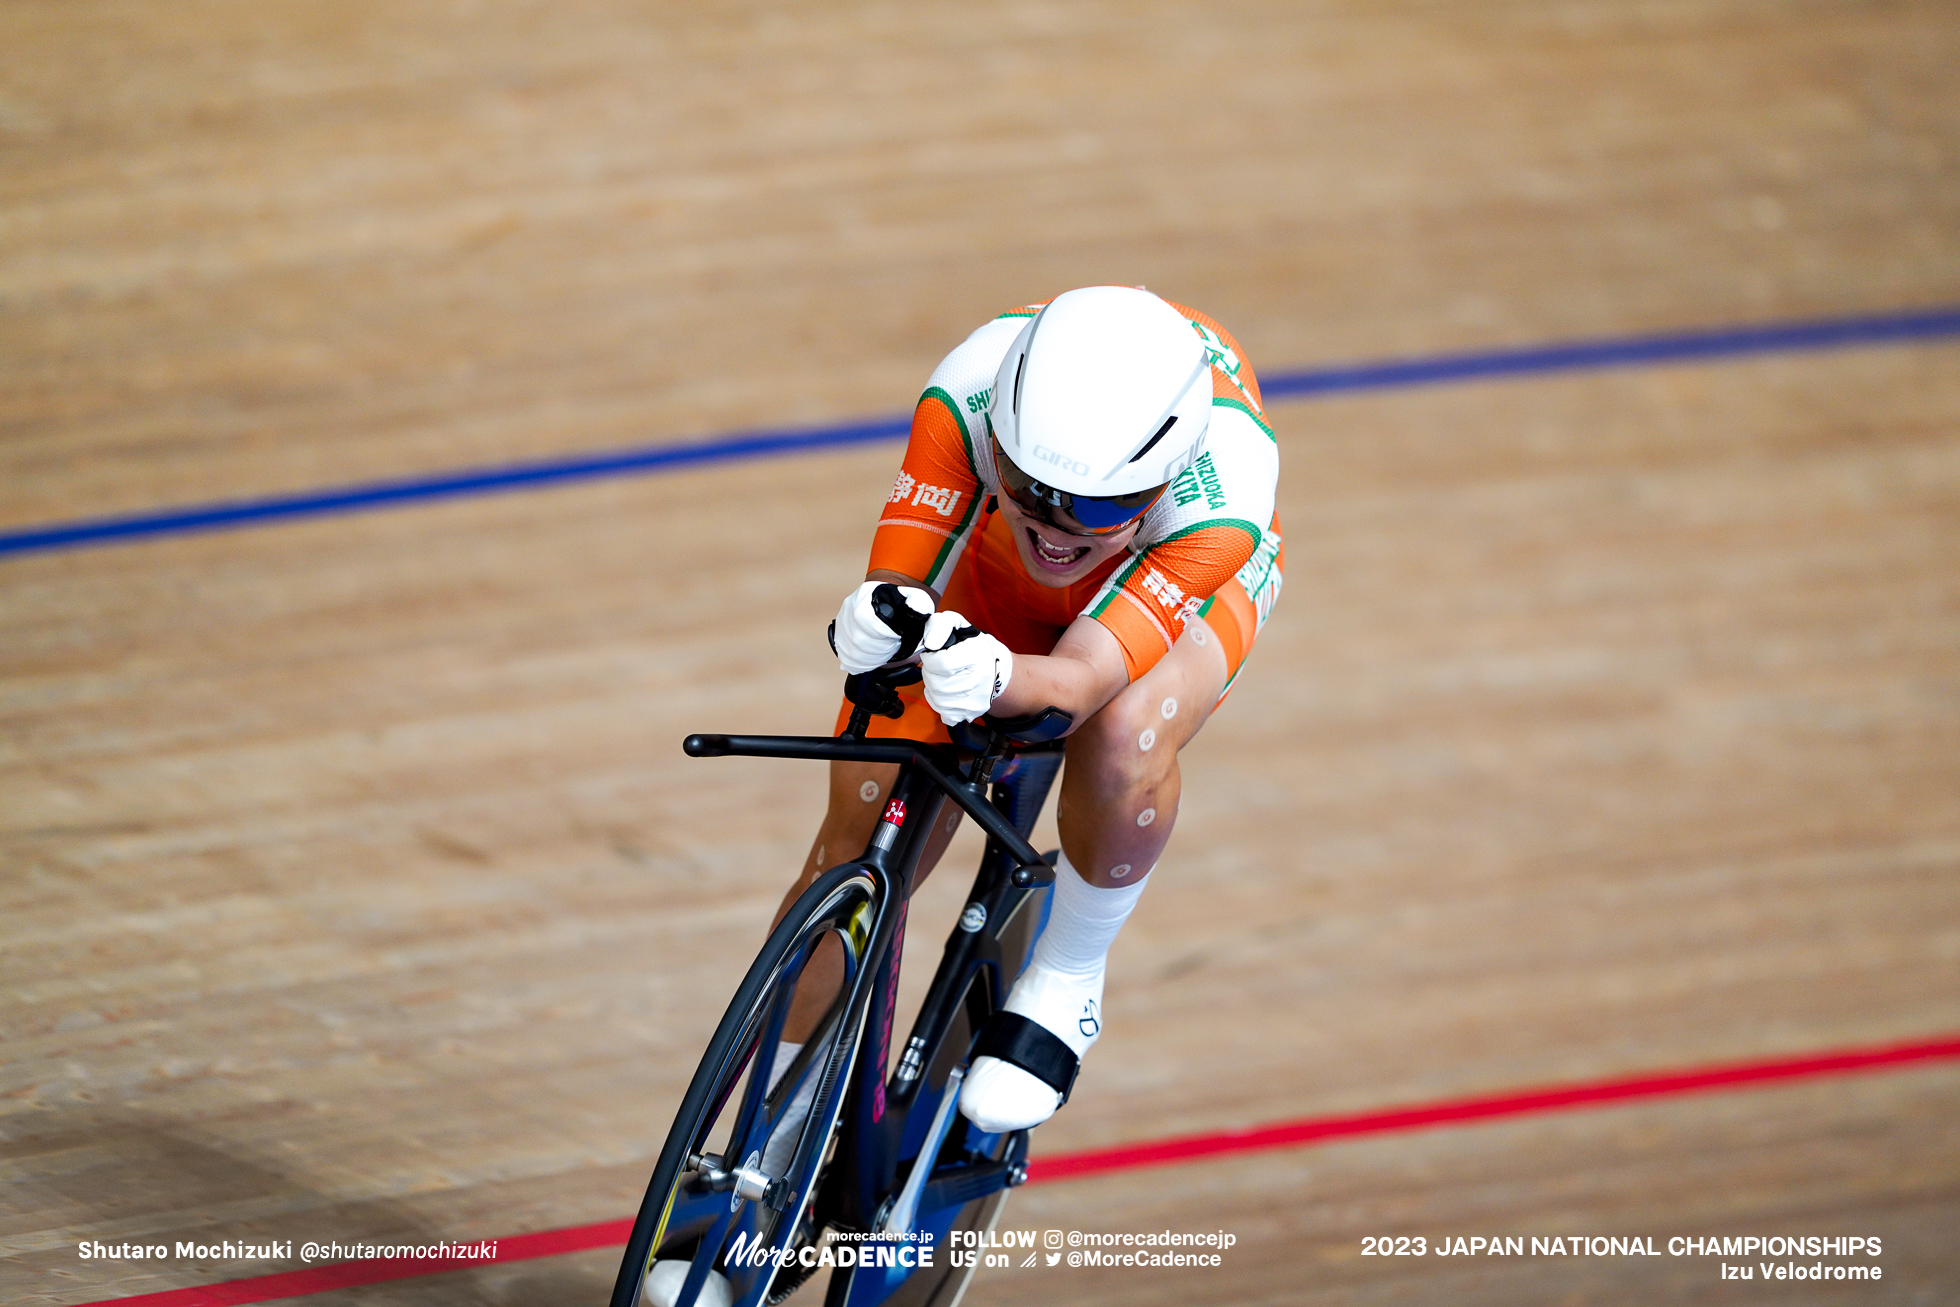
[[965, 669], [862, 641]]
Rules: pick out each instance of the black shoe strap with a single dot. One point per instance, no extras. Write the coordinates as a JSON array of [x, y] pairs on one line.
[[1031, 1046]]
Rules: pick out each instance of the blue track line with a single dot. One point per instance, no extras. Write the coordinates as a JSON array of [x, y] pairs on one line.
[[1632, 351], [1629, 351]]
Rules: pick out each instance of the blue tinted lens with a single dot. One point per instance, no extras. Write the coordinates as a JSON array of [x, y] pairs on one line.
[[1100, 514]]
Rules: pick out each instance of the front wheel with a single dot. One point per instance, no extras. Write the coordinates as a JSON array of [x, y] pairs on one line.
[[722, 1200]]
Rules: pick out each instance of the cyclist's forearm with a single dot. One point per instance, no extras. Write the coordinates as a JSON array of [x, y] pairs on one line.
[[1085, 672]]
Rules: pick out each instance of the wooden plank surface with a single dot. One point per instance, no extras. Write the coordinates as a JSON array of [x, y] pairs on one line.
[[353, 882]]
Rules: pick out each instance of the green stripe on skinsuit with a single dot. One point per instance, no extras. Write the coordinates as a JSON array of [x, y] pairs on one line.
[[1233, 677], [1239, 522], [1122, 577], [1247, 409], [966, 437], [973, 501], [959, 533], [1117, 580]]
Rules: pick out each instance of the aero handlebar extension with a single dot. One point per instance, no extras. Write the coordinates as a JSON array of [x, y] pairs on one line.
[[970, 796]]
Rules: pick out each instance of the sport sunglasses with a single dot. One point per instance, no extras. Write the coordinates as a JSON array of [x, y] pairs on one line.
[[1076, 515]]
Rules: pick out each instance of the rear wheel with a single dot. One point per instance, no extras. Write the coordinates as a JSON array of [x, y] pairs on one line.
[[713, 1203]]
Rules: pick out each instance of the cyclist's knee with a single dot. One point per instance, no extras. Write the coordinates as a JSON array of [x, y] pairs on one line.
[[1126, 750]]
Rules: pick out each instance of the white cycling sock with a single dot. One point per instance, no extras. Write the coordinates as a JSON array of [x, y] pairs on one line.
[[1082, 923], [1061, 991]]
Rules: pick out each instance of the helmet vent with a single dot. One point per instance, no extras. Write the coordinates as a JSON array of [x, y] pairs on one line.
[[1020, 367], [1151, 443], [1198, 374]]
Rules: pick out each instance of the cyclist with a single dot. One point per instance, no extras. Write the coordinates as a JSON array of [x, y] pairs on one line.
[[1085, 509]]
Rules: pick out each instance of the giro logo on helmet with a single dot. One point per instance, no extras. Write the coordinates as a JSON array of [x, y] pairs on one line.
[[1047, 455]]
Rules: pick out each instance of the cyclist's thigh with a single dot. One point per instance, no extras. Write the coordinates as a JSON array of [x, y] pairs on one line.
[[1157, 714], [1144, 726], [1235, 618]]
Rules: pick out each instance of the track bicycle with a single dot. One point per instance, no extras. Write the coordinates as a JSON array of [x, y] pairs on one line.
[[884, 1169]]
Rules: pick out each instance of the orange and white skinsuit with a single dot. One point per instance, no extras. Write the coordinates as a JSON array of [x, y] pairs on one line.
[[1209, 548]]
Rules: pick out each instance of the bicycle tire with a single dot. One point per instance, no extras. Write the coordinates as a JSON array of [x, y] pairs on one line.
[[845, 901]]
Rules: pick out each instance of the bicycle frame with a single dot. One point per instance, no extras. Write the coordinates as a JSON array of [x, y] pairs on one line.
[[899, 1114], [896, 1120]]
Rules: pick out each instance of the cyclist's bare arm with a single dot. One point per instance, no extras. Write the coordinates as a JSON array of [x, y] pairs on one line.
[[1084, 673]]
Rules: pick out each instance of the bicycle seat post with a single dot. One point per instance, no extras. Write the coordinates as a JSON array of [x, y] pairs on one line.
[[985, 762]]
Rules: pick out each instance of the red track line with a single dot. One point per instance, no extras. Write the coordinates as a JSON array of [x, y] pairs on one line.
[[1130, 1157], [1289, 1134]]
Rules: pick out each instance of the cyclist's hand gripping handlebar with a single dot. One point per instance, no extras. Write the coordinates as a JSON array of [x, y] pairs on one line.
[[965, 669], [878, 621], [879, 624], [907, 622]]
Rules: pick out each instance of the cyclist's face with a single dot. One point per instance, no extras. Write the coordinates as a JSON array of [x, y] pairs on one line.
[[1055, 558]]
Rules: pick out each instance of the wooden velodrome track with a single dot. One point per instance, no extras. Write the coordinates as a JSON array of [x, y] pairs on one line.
[[356, 888]]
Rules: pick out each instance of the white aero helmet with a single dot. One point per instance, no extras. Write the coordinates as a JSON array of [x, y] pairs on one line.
[[1102, 400]]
